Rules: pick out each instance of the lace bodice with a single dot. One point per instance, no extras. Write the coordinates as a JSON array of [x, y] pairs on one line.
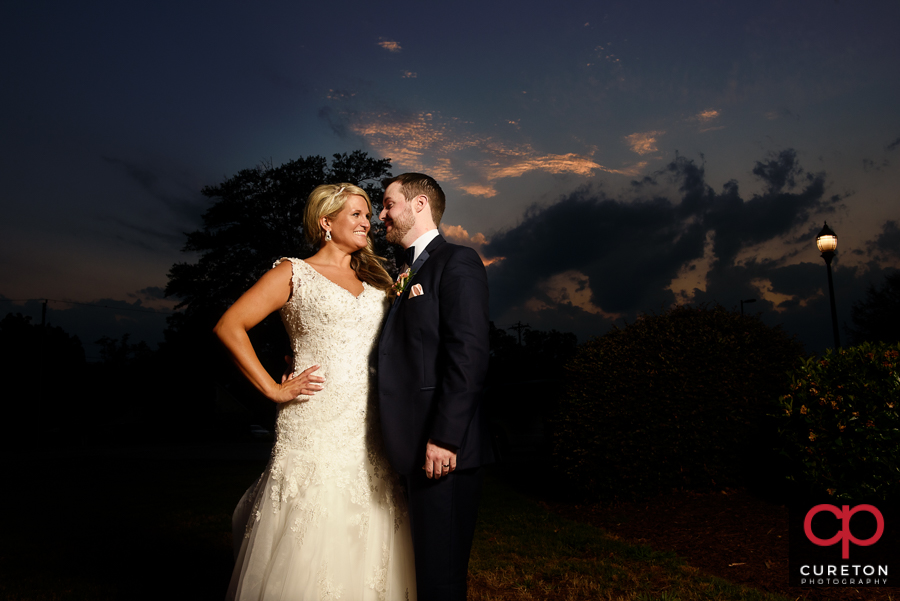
[[330, 327]]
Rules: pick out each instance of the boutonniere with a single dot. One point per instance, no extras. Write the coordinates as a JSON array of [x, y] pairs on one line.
[[402, 282]]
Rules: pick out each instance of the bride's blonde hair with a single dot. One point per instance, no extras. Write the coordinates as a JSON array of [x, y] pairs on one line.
[[328, 200]]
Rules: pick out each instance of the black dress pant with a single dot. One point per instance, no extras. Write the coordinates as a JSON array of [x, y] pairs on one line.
[[442, 516]]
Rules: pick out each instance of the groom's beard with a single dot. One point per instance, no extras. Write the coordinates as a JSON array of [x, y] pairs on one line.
[[401, 226]]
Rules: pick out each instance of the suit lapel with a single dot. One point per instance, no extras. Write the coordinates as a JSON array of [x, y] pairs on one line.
[[417, 265]]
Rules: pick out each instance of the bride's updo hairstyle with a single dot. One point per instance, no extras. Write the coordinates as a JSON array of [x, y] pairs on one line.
[[328, 200]]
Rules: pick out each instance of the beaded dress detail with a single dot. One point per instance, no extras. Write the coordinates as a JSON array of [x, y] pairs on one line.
[[327, 519]]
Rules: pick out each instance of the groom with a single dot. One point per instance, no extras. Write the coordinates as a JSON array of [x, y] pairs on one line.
[[432, 362]]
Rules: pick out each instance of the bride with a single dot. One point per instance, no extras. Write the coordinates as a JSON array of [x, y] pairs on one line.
[[327, 519]]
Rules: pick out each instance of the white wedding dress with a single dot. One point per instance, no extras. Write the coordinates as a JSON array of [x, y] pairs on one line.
[[327, 519]]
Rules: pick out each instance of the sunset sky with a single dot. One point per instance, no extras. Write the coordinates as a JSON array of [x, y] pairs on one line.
[[605, 158]]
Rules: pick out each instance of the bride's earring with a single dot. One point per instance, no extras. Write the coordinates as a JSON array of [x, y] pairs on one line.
[[327, 236]]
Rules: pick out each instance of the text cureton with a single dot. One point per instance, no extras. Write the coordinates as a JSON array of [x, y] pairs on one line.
[[843, 570]]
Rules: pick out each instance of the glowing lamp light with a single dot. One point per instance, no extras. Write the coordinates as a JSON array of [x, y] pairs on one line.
[[826, 241]]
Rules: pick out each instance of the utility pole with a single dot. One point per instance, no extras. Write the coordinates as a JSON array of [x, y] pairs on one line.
[[519, 326]]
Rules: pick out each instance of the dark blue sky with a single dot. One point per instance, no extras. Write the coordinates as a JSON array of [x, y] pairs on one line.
[[537, 119]]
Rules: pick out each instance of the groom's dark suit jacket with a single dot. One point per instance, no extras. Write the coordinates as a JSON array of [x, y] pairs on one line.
[[433, 360]]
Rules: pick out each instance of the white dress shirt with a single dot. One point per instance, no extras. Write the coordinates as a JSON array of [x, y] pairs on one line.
[[423, 241]]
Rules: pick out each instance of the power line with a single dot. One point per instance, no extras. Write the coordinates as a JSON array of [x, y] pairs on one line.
[[41, 300]]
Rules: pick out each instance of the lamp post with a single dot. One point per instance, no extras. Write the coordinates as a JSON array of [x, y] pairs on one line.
[[826, 242], [748, 301]]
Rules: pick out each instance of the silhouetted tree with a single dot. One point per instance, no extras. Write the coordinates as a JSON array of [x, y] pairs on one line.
[[877, 317], [541, 356], [42, 369], [522, 384], [257, 218], [549, 351], [120, 353], [505, 356]]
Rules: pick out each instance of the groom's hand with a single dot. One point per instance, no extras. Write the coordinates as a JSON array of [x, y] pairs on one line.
[[439, 461]]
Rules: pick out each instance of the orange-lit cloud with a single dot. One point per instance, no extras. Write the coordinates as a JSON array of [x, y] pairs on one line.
[[764, 286], [482, 190], [409, 75], [389, 45], [430, 143], [459, 235], [570, 287], [523, 162], [692, 275], [707, 115], [643, 143], [705, 118]]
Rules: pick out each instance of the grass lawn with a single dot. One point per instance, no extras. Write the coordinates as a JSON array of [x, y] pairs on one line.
[[524, 552], [115, 524]]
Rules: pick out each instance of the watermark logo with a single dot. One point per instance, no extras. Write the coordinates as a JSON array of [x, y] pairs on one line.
[[822, 533], [844, 535]]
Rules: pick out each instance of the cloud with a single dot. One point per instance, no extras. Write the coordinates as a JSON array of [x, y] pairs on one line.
[[154, 297], [869, 165], [171, 237], [524, 161], [409, 75], [186, 203], [459, 235], [154, 230], [779, 171], [707, 116], [389, 45], [339, 94], [594, 236], [568, 288], [482, 190], [447, 148], [783, 113], [604, 54], [799, 299], [605, 258], [643, 143], [887, 244]]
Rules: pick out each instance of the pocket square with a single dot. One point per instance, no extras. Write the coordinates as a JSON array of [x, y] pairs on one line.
[[416, 290]]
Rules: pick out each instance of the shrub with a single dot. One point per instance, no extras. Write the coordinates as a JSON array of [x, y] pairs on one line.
[[678, 399], [839, 426]]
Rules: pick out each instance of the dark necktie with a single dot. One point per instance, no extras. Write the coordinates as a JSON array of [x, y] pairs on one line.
[[407, 258]]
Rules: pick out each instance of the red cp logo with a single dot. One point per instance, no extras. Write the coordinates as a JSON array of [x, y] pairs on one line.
[[844, 514]]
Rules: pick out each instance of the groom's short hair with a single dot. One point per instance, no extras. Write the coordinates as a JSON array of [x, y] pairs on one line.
[[413, 184]]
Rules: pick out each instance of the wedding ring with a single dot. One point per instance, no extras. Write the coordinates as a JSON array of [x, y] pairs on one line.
[[448, 465]]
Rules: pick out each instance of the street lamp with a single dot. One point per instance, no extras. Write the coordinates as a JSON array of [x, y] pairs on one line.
[[826, 242], [748, 301]]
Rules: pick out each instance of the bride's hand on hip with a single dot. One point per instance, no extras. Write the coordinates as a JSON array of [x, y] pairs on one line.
[[306, 383]]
